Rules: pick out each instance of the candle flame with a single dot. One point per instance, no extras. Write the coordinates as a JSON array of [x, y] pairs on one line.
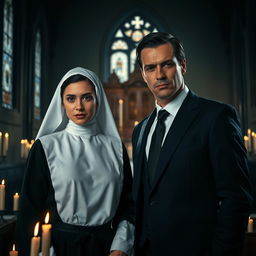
[[6, 135], [36, 229], [121, 101], [246, 138], [47, 217], [135, 123], [16, 194], [1, 134], [13, 247], [2, 182]]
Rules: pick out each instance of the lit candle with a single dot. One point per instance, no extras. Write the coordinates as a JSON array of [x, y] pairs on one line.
[[6, 144], [13, 252], [1, 143], [135, 123], [16, 202], [22, 148], [2, 195], [249, 139], [121, 102], [35, 242], [250, 225], [254, 142], [246, 143], [46, 236]]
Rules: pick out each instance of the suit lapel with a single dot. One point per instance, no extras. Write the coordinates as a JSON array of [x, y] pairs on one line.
[[140, 150], [182, 121]]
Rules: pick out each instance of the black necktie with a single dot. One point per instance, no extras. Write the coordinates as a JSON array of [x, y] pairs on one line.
[[156, 144]]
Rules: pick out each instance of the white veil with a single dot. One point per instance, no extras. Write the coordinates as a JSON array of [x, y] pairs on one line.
[[56, 120]]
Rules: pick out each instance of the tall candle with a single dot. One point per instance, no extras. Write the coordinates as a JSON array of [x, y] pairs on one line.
[[1, 143], [249, 137], [46, 236], [6, 144], [35, 242], [250, 225], [13, 252], [22, 148], [2, 195], [16, 198], [254, 142], [246, 143], [121, 102]]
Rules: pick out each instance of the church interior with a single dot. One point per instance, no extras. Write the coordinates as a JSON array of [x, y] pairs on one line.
[[42, 39]]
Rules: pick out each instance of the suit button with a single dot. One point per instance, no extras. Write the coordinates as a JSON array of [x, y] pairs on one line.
[[152, 203]]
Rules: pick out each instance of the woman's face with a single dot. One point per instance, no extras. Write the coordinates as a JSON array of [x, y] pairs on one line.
[[79, 102]]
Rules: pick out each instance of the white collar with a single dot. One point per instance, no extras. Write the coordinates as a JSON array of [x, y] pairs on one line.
[[173, 106], [89, 129]]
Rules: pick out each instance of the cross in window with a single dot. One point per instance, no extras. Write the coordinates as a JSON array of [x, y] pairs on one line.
[[137, 22]]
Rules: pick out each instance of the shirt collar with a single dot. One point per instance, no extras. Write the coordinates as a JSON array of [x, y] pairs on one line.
[[173, 106]]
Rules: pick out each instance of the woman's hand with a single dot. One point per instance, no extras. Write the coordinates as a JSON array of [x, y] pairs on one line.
[[117, 253]]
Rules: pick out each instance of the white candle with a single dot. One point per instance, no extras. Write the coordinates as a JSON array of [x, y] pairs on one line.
[[249, 139], [2, 195], [1, 143], [46, 236], [16, 198], [6, 144], [246, 143], [121, 103], [250, 225], [35, 242], [254, 142], [13, 252], [22, 148]]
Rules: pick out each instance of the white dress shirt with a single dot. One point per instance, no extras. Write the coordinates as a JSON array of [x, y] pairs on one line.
[[172, 107]]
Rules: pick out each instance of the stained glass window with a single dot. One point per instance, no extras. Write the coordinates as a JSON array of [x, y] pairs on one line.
[[7, 67], [119, 65], [37, 76], [124, 42]]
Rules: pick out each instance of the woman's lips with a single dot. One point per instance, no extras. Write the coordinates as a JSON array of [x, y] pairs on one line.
[[80, 116]]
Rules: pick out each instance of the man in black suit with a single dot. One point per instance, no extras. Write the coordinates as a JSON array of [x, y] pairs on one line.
[[190, 169]]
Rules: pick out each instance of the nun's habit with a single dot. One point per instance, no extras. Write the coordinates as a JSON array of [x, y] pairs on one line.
[[81, 174]]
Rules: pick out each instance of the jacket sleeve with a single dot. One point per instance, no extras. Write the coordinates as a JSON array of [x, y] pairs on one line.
[[124, 219], [229, 165], [34, 195]]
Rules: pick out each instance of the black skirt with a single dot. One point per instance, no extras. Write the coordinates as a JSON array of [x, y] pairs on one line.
[[72, 240]]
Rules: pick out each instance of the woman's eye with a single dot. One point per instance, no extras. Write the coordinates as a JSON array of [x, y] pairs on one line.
[[70, 99], [87, 97]]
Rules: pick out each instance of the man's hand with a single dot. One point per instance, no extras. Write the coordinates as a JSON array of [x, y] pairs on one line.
[[117, 253]]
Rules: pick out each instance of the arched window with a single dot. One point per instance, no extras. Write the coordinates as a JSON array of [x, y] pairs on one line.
[[124, 42], [7, 61], [37, 76]]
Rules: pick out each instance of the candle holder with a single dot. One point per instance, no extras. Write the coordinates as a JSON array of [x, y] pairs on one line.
[[2, 213]]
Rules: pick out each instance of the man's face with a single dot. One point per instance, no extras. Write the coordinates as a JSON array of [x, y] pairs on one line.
[[162, 72]]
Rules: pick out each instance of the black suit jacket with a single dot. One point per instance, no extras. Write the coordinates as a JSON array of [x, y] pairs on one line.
[[200, 200]]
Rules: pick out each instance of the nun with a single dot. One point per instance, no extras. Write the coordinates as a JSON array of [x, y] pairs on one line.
[[78, 170]]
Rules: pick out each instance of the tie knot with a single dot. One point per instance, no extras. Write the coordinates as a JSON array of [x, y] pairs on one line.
[[162, 115]]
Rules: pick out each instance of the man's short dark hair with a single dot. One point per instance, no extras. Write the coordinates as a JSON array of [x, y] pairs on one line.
[[158, 38]]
